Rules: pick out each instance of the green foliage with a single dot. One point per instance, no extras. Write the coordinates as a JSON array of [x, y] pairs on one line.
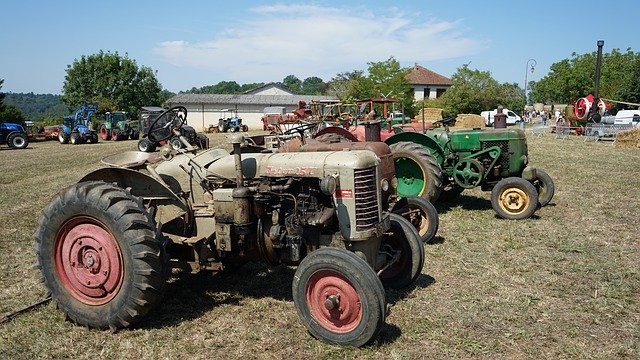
[[292, 83], [11, 114], [2, 95], [312, 86], [474, 91], [570, 79], [630, 90], [115, 82], [344, 85], [36, 107], [224, 87]]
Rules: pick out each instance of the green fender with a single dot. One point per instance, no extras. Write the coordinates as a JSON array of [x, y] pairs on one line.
[[425, 140]]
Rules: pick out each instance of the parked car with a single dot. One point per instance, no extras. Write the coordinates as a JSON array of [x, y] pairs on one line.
[[512, 118]]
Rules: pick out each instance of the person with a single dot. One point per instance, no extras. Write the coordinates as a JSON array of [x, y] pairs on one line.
[[544, 118]]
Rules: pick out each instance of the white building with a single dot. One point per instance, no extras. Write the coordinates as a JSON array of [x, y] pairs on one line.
[[426, 83], [206, 109]]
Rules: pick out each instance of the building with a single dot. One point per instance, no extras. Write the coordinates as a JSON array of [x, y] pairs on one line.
[[426, 83], [205, 109]]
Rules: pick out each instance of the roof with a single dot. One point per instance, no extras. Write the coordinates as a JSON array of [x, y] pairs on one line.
[[259, 89], [244, 99], [422, 76]]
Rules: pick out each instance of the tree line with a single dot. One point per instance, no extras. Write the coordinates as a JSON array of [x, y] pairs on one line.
[[117, 82]]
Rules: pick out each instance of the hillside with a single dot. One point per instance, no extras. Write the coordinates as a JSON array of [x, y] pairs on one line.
[[36, 107]]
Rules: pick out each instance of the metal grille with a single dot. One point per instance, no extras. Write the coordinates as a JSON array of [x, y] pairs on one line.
[[503, 160], [366, 196]]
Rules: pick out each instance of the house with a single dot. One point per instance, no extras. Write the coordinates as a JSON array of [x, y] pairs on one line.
[[205, 109], [426, 83]]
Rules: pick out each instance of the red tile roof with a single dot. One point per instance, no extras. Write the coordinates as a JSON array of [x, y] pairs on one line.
[[423, 76]]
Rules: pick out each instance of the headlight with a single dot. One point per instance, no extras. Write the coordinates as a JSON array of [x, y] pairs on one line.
[[328, 185], [384, 184]]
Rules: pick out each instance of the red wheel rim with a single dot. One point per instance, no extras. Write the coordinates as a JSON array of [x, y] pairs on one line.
[[103, 133], [88, 261], [114, 135], [581, 108], [334, 302]]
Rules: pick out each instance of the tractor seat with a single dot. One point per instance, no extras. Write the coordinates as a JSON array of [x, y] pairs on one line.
[[132, 159]]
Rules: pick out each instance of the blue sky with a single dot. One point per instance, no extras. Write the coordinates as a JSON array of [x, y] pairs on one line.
[[197, 43]]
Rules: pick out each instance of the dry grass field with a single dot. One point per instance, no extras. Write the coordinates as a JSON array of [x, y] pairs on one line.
[[563, 284]]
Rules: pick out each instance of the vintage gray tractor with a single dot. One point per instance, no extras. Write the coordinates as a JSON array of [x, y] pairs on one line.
[[105, 245]]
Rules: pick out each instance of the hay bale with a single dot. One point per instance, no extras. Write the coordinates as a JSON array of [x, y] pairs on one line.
[[628, 139], [430, 115], [469, 121]]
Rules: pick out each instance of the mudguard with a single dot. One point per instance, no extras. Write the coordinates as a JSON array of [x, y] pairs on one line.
[[427, 141]]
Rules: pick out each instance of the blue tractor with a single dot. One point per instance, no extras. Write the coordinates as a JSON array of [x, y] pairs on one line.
[[232, 122], [13, 135], [75, 129]]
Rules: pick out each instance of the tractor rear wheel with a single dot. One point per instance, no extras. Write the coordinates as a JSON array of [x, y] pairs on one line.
[[245, 128], [338, 297], [17, 141], [115, 134], [402, 238], [514, 198], [222, 127], [545, 187], [99, 256], [418, 172], [421, 214]]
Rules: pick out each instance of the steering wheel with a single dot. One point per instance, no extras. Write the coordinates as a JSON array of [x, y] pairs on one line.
[[160, 131], [300, 129], [446, 121]]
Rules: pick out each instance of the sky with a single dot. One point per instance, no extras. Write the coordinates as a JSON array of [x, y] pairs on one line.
[[198, 43]]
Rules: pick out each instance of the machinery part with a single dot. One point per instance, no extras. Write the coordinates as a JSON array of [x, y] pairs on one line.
[[222, 126], [468, 173], [418, 171], [545, 187], [145, 145], [17, 141], [514, 198], [135, 134], [74, 138], [104, 133], [421, 214], [62, 137], [300, 129], [176, 144], [157, 132], [245, 128], [99, 255], [404, 242], [339, 297], [450, 191]]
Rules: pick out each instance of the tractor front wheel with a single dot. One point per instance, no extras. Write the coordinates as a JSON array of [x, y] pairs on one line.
[[62, 137], [17, 141], [74, 139], [99, 256], [545, 187], [418, 172], [145, 145], [514, 198], [175, 142], [403, 240], [421, 214], [104, 133], [339, 297]]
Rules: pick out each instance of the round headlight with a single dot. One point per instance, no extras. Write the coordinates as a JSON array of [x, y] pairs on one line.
[[328, 185], [384, 184]]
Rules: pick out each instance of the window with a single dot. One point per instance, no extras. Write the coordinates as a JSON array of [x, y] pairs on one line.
[[426, 93], [439, 92]]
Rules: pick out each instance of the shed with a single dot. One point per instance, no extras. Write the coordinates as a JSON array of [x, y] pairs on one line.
[[426, 83]]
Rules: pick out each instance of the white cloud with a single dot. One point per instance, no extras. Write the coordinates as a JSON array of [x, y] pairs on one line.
[[306, 40]]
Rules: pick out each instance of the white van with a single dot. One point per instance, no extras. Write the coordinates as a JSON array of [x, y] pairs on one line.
[[627, 117], [512, 118]]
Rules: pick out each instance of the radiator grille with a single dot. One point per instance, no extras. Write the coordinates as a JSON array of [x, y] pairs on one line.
[[366, 196], [503, 160]]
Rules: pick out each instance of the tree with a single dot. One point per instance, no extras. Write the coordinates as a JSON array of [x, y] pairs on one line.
[[9, 113], [1, 94], [292, 83], [343, 85], [630, 91], [116, 82], [312, 86]]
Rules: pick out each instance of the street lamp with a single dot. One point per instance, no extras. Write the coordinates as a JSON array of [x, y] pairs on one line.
[[526, 72]]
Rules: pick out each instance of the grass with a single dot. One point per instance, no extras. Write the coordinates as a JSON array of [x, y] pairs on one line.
[[563, 284]]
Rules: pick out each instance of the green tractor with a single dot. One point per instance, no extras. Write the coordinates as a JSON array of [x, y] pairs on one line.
[[440, 164], [118, 127]]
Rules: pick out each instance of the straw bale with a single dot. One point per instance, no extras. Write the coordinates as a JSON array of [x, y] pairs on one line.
[[469, 121], [628, 138]]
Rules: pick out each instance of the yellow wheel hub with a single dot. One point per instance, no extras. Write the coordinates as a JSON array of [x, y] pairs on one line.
[[514, 200]]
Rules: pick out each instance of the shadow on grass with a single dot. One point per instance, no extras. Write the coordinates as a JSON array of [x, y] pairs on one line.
[[466, 202]]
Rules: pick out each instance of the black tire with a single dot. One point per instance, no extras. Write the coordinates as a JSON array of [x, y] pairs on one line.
[[421, 214], [175, 143], [135, 134], [74, 138], [18, 141], [104, 133], [410, 155], [403, 238], [116, 134], [62, 137], [514, 198], [331, 275], [94, 137], [145, 145], [545, 187], [450, 191], [245, 128], [121, 267], [222, 127]]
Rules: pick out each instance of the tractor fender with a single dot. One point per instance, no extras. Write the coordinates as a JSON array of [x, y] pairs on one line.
[[422, 139], [169, 205], [529, 173], [336, 130]]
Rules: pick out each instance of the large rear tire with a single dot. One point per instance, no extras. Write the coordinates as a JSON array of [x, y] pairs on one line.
[[402, 238], [99, 256], [338, 297], [421, 214], [514, 198], [418, 172], [18, 141]]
